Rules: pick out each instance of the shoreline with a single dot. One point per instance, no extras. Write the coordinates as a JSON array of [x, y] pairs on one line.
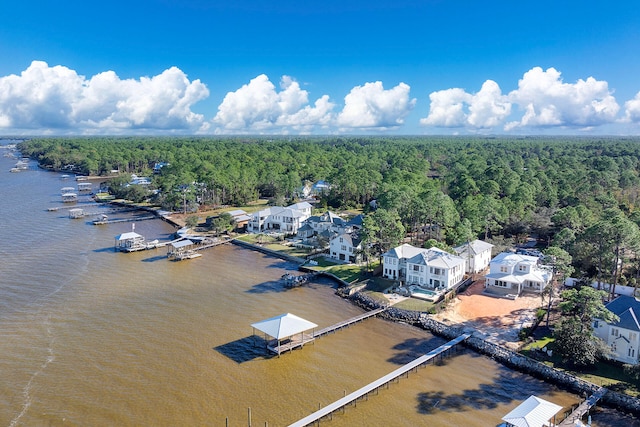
[[477, 342], [501, 354]]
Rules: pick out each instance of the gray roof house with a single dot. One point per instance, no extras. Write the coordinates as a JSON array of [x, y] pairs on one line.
[[622, 336]]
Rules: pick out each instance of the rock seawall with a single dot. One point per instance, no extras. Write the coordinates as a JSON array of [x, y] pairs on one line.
[[501, 355]]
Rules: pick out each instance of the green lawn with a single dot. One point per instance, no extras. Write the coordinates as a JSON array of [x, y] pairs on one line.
[[606, 374]]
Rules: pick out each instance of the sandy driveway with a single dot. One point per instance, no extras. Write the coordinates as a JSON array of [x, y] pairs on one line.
[[498, 320]]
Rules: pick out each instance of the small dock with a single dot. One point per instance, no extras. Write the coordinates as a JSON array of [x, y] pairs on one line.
[[298, 341], [374, 386], [583, 408]]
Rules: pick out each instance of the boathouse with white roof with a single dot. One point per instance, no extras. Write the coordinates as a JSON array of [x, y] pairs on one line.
[[287, 331]]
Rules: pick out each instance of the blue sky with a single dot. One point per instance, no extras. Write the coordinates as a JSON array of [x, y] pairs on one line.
[[299, 67]]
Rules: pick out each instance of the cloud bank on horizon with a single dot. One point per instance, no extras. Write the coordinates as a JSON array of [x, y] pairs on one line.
[[47, 99]]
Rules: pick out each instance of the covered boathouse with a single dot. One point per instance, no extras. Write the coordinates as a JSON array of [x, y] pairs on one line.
[[130, 242], [287, 332], [533, 412]]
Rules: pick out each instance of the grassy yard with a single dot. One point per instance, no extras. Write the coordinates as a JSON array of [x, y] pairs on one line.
[[606, 374]]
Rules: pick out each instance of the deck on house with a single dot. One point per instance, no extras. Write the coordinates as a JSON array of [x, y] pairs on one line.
[[341, 403]]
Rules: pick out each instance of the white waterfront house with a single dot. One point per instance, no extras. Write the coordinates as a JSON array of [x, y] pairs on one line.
[[280, 219], [346, 247], [622, 336], [511, 274], [477, 253], [428, 268]]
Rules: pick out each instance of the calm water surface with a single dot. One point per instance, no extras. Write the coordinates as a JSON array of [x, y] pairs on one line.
[[90, 337]]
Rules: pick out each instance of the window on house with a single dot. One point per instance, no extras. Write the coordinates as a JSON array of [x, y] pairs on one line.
[[341, 240], [614, 332], [343, 247], [632, 352], [416, 268], [633, 336], [503, 269], [522, 268]]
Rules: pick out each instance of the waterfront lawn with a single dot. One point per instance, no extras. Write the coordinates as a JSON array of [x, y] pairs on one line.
[[608, 374], [274, 244], [347, 272]]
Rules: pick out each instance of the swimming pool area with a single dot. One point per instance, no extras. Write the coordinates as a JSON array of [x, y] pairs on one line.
[[422, 293]]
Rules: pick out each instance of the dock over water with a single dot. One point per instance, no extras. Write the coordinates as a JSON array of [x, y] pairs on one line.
[[292, 343], [374, 386], [583, 408], [345, 323]]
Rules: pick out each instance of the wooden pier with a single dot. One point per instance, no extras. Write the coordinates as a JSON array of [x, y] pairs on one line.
[[374, 386], [583, 408], [293, 343], [345, 323], [114, 221]]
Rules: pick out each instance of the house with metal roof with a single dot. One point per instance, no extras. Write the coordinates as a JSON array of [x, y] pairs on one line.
[[279, 219], [623, 335], [394, 261], [477, 253], [428, 268], [346, 247], [511, 274]]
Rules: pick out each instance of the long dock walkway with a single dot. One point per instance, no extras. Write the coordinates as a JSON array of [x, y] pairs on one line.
[[114, 221], [582, 409], [345, 323], [327, 410], [212, 244]]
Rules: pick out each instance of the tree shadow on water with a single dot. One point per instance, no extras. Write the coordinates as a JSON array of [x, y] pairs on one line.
[[410, 349], [244, 349], [508, 387]]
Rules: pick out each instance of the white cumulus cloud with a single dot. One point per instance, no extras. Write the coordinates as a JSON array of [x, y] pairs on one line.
[[44, 98], [456, 108], [259, 107], [547, 101], [632, 109], [372, 107]]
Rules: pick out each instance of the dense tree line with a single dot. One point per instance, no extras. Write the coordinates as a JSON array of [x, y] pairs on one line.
[[579, 194]]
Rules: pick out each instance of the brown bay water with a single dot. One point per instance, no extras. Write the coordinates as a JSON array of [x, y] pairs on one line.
[[90, 337]]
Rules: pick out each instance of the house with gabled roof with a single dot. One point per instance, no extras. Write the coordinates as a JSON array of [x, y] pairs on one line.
[[510, 274], [346, 247], [477, 253], [622, 336], [428, 268], [326, 221], [279, 219], [394, 261], [435, 269]]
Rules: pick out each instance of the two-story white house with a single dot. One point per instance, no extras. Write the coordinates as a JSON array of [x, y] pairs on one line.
[[394, 261], [435, 269], [429, 268], [279, 219], [511, 273], [346, 247], [622, 336], [477, 253]]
